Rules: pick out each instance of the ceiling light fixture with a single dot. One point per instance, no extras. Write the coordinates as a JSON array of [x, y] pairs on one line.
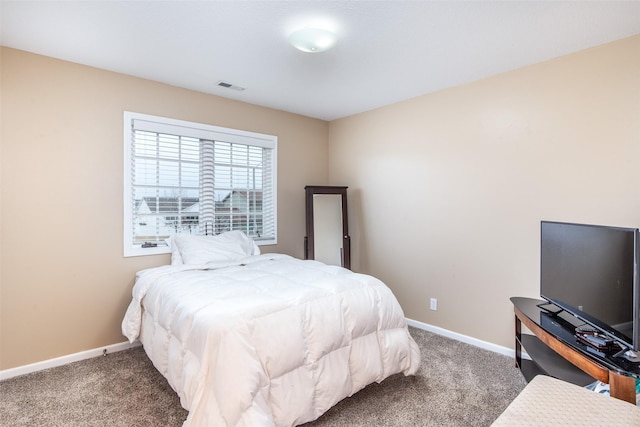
[[313, 40]]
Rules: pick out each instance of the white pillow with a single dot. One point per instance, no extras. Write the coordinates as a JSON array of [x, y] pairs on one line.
[[228, 246], [176, 258]]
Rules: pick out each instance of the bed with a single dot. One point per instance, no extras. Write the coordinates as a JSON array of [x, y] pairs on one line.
[[250, 339]]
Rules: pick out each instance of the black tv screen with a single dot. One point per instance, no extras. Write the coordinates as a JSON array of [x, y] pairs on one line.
[[591, 271]]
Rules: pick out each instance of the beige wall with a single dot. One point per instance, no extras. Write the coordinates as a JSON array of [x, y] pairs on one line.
[[447, 190], [64, 282]]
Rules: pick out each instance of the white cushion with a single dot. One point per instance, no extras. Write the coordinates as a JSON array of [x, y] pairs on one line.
[[547, 401], [176, 258], [228, 246]]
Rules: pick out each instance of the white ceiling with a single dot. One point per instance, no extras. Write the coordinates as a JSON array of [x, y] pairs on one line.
[[387, 51]]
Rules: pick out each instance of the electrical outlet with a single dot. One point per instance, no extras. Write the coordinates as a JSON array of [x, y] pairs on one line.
[[434, 304]]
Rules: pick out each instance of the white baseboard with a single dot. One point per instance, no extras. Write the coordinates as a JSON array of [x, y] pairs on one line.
[[465, 338], [63, 360]]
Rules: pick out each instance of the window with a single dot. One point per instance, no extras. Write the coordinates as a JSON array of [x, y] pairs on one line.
[[183, 177]]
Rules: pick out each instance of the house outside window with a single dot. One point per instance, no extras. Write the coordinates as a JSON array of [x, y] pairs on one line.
[[185, 177]]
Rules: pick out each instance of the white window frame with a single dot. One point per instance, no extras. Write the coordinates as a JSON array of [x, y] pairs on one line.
[[190, 129]]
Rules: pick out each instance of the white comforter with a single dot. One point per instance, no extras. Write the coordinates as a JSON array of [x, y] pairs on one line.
[[270, 340]]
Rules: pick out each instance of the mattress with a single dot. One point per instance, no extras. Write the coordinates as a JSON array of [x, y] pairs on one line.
[[268, 340]]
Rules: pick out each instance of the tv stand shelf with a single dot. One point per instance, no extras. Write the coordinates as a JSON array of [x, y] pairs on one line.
[[554, 351], [548, 362]]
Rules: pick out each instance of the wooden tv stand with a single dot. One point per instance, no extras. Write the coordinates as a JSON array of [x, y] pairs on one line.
[[554, 351]]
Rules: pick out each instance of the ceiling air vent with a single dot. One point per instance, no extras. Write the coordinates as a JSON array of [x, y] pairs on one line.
[[230, 86]]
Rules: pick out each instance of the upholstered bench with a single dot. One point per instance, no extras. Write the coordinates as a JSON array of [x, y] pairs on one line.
[[547, 401]]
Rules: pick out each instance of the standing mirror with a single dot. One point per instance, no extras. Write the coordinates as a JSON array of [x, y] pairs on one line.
[[327, 237]]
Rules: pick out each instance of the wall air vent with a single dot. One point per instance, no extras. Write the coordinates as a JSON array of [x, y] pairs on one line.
[[230, 86]]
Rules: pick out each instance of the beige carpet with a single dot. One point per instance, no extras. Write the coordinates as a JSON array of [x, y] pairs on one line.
[[456, 385]]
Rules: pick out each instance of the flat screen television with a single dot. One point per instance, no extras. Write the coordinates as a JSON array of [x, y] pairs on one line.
[[591, 271]]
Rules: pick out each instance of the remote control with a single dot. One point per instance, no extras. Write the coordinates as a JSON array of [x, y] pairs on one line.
[[586, 329]]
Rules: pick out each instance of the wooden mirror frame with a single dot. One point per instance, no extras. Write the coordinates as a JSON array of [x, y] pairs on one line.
[[309, 240]]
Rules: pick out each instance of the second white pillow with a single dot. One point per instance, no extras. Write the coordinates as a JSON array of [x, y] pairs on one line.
[[228, 246]]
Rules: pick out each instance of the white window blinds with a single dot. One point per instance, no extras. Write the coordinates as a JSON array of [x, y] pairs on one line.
[[183, 177]]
